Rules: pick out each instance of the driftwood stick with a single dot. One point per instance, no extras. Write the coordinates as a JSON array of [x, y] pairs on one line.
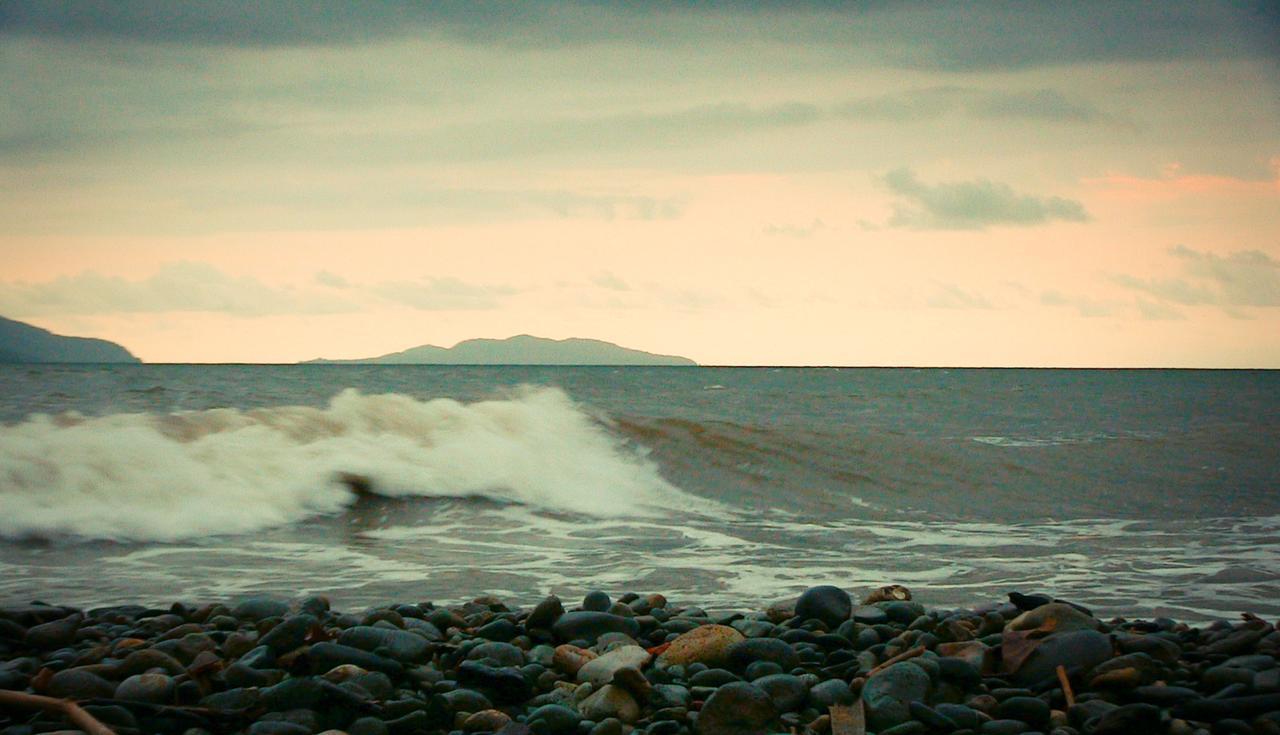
[[67, 707], [1066, 685], [900, 657]]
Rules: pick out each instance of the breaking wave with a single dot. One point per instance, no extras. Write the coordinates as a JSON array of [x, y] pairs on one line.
[[170, 476]]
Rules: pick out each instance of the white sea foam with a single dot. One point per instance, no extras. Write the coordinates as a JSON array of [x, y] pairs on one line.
[[172, 476]]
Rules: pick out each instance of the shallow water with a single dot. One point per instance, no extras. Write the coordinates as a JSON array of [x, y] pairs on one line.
[[1134, 492]]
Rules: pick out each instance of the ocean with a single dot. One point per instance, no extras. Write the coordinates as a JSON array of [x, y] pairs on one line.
[[1134, 492]]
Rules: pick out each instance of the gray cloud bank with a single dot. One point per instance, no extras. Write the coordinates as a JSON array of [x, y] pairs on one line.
[[1243, 278], [972, 205], [940, 35], [199, 287]]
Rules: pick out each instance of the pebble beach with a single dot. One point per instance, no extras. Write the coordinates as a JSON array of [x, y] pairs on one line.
[[829, 661]]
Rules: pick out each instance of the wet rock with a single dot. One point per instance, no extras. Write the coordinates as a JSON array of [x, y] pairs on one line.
[[829, 604], [78, 684], [888, 593], [929, 717], [588, 626], [260, 608], [55, 634], [495, 653], [829, 692], [901, 612], [743, 653], [736, 709], [1003, 727], [962, 716], [545, 614], [278, 727], [610, 701], [787, 692], [498, 630], [600, 671], [325, 656], [232, 700], [706, 644], [554, 720], [466, 700], [1131, 719], [146, 659], [300, 693], [596, 601], [870, 615], [151, 688], [503, 685], [633, 681], [1056, 617], [888, 694], [1079, 650], [488, 720], [1031, 710], [400, 645], [288, 634], [570, 659]]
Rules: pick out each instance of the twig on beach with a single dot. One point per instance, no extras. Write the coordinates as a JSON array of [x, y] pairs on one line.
[[900, 657], [1066, 685], [67, 707]]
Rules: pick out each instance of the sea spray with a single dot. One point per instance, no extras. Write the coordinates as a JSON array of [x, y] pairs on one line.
[[164, 477]]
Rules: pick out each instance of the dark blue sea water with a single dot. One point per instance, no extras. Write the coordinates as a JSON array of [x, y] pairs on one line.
[[1138, 492]]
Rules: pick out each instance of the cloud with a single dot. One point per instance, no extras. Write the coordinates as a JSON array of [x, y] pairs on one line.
[[800, 232], [442, 294], [611, 282], [951, 296], [1035, 104], [332, 280], [1157, 311], [199, 287], [951, 36], [932, 103], [972, 205], [1085, 306], [1241, 279], [179, 286]]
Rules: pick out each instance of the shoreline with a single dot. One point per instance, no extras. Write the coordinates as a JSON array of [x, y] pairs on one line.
[[640, 664]]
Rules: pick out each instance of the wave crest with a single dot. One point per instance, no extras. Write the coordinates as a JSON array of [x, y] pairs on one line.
[[172, 476]]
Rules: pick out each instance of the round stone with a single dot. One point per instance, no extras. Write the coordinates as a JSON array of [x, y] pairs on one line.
[[150, 688], [742, 654], [596, 601], [829, 604], [738, 708]]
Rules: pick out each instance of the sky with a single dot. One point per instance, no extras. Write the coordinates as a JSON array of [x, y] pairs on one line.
[[780, 183]]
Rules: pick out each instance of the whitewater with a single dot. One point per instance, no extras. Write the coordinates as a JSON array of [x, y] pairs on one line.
[[1135, 491]]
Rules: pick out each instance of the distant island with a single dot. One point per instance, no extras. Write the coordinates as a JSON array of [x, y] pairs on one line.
[[22, 342], [520, 350]]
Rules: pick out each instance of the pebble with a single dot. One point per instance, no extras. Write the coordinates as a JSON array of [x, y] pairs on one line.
[[639, 664]]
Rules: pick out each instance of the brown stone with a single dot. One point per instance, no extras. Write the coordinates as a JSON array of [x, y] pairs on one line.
[[706, 644]]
